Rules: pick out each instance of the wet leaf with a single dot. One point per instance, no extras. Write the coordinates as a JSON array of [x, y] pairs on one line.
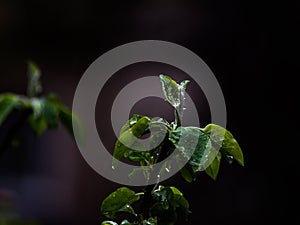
[[174, 93], [229, 145], [119, 201], [128, 138], [193, 144], [168, 199]]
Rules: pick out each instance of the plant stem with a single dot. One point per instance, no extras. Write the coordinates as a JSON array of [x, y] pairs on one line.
[[177, 119], [147, 198]]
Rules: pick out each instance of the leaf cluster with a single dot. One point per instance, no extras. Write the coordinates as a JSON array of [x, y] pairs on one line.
[[198, 149], [40, 111]]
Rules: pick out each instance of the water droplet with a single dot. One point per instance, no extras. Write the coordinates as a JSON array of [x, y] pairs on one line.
[[176, 104]]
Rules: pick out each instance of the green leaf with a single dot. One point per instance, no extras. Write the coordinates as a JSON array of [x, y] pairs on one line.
[[127, 139], [164, 216], [135, 156], [188, 173], [119, 201], [36, 120], [213, 169], [193, 144], [229, 145], [171, 90], [45, 114], [168, 199], [174, 93], [51, 112], [108, 222], [36, 105], [38, 125], [66, 117], [34, 85], [130, 123], [164, 196], [140, 127], [180, 201], [7, 103]]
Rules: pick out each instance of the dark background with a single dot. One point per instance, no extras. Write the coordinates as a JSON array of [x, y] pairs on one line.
[[248, 46]]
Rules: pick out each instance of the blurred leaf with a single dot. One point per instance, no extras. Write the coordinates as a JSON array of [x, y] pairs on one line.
[[7, 103], [51, 112], [38, 125], [119, 201], [36, 105], [65, 117], [229, 146], [68, 119], [45, 114], [34, 85]]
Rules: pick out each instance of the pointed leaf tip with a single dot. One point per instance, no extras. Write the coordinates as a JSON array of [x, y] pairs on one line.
[[229, 146], [34, 85]]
